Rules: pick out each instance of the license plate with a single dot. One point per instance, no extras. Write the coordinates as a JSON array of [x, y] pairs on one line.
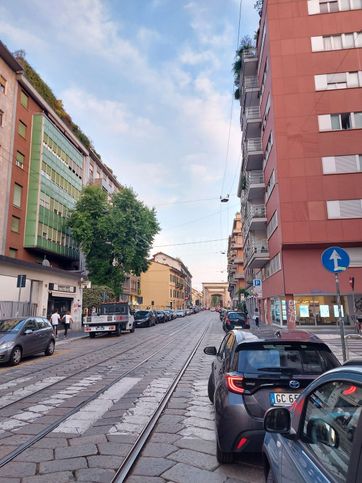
[[282, 398]]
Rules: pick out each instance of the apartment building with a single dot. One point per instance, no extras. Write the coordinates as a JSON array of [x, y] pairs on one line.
[[167, 283], [236, 276], [301, 178], [8, 96]]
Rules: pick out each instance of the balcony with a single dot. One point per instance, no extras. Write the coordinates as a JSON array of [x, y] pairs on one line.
[[249, 61], [254, 185], [250, 121], [252, 154], [238, 242], [255, 219], [238, 260], [239, 276], [256, 253]]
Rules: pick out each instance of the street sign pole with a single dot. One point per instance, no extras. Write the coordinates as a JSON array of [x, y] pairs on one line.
[[340, 318]]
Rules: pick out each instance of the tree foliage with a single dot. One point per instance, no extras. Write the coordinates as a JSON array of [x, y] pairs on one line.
[[245, 43], [57, 104], [94, 296], [115, 237], [258, 5]]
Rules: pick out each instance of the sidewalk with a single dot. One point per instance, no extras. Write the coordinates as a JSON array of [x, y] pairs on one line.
[[72, 336]]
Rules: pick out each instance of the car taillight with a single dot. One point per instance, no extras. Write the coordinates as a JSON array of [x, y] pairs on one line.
[[235, 383], [241, 443]]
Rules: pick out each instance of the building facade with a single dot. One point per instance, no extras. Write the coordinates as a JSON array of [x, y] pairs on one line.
[[166, 284], [301, 179], [236, 276], [9, 67]]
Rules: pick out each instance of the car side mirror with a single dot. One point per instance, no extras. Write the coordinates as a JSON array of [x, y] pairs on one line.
[[277, 420], [318, 431], [210, 350], [28, 331]]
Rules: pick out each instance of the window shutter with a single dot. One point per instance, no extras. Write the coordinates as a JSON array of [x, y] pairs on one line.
[[351, 208], [346, 164]]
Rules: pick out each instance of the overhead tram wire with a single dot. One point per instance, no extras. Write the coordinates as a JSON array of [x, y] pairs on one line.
[[190, 243]]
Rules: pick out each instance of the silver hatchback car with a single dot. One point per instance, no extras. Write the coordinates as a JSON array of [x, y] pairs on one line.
[[25, 336]]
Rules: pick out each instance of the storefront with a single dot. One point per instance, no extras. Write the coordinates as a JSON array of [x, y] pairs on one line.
[[311, 310]]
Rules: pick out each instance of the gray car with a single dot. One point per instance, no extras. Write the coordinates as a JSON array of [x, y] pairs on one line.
[[25, 336], [251, 373]]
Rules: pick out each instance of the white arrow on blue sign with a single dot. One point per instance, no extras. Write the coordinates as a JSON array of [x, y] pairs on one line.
[[335, 259]]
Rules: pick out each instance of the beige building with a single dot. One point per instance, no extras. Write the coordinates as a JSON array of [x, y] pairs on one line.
[[236, 276], [196, 297], [166, 284], [8, 96]]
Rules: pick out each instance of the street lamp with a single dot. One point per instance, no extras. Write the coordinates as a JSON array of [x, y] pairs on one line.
[[224, 199]]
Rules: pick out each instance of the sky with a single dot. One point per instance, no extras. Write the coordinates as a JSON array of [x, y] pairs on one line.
[[150, 82]]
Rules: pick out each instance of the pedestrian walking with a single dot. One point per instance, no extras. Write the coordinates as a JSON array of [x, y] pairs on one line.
[[256, 317], [54, 320], [67, 320]]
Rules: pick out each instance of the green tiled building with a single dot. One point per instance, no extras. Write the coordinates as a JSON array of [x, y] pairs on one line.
[[55, 183]]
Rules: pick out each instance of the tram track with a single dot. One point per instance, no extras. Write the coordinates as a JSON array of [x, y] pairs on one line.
[[113, 357], [50, 427]]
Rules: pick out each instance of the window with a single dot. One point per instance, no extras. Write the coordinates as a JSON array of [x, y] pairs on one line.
[[272, 225], [338, 80], [273, 266], [348, 40], [270, 185], [2, 85], [1, 118], [13, 253], [332, 411], [15, 224], [351, 163], [268, 147], [24, 99], [19, 159], [17, 195], [337, 209], [340, 122], [22, 129], [330, 6]]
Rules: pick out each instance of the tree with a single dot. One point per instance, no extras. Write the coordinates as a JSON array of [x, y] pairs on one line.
[[258, 5], [242, 304], [115, 237], [94, 296], [245, 43]]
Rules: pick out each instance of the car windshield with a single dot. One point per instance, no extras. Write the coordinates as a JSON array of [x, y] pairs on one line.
[[285, 358], [141, 314], [11, 325], [236, 316]]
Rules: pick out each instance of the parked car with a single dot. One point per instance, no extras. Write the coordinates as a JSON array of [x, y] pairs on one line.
[[319, 438], [251, 373], [180, 313], [145, 318], [25, 336], [234, 319], [161, 317]]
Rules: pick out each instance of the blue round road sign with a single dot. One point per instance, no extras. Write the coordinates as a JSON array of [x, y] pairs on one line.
[[335, 259]]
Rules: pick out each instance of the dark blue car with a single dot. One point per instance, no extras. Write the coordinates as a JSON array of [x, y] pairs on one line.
[[319, 438]]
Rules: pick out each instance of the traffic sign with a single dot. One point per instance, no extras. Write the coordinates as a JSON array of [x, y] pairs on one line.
[[335, 259], [256, 282]]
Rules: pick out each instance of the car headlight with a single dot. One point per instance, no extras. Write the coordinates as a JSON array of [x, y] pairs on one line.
[[6, 345]]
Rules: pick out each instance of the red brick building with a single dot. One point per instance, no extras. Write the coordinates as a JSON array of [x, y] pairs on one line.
[[301, 179]]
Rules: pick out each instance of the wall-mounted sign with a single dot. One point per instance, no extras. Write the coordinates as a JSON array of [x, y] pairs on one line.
[[324, 310], [54, 287], [304, 310]]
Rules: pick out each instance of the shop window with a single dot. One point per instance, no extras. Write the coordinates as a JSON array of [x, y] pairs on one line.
[[15, 224], [24, 99], [2, 85], [19, 159], [22, 129], [17, 195], [13, 253]]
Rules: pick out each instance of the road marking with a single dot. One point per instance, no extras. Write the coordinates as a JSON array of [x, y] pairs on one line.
[[16, 382], [84, 418], [34, 412], [136, 417], [26, 391]]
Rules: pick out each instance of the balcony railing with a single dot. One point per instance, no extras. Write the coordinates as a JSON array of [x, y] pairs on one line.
[[250, 82], [249, 54], [254, 177], [253, 247], [253, 145], [252, 212], [252, 113]]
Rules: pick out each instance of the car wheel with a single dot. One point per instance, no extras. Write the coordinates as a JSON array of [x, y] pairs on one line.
[[49, 351], [15, 356], [211, 388], [132, 330], [270, 478], [92, 335], [223, 457], [118, 331]]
